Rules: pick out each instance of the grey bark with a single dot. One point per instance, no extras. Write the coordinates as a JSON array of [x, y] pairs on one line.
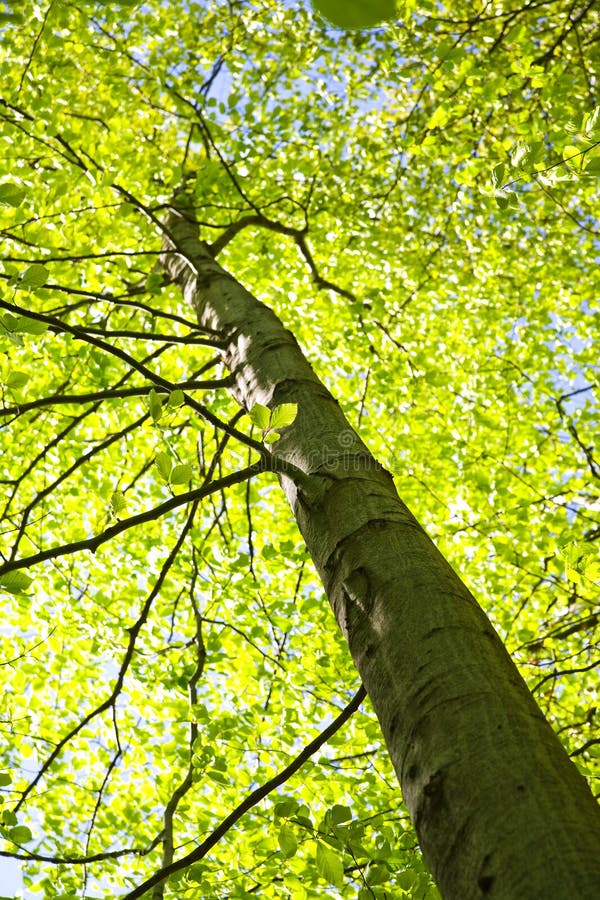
[[500, 810]]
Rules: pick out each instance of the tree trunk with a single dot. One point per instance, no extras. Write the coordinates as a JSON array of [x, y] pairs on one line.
[[499, 808]]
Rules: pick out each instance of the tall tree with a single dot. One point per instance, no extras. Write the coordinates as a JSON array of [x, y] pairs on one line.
[[432, 253]]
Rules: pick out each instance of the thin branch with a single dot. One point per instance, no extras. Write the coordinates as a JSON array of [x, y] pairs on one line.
[[56, 325], [590, 743], [549, 53], [36, 41], [188, 780], [252, 799], [149, 515], [111, 394], [559, 674], [248, 221], [82, 860], [153, 336], [134, 631]]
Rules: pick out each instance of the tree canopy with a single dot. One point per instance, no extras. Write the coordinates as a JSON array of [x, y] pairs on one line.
[[417, 202]]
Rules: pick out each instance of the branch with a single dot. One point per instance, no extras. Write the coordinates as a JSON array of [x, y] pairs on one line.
[[252, 799], [133, 631], [559, 673], [125, 524], [82, 860], [56, 325], [317, 277], [153, 336], [589, 743], [110, 394], [549, 53], [247, 221]]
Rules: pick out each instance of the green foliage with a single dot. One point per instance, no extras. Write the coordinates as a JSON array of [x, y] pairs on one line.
[[33, 277], [356, 13], [117, 502], [329, 865], [582, 563], [15, 582], [260, 416], [270, 421], [22, 325], [535, 160], [11, 194], [170, 473], [176, 399], [407, 201], [155, 405]]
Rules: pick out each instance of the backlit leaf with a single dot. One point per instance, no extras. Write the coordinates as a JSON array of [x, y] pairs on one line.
[[155, 405], [164, 464], [283, 415], [16, 582], [181, 474], [288, 843], [260, 416], [356, 13], [11, 194], [329, 865], [34, 277]]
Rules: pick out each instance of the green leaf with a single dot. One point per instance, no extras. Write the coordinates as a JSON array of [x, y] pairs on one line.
[[15, 582], [271, 437], [8, 817], [5, 778], [285, 808], [283, 415], [340, 814], [505, 199], [9, 321], [181, 474], [25, 325], [356, 13], [525, 154], [593, 167], [572, 155], [439, 117], [34, 277], [376, 874], [195, 873], [260, 416], [154, 282], [406, 879], [330, 865], [11, 194], [16, 380], [20, 834], [218, 777], [163, 463], [498, 173], [118, 502], [154, 405], [592, 123], [176, 399], [13, 17], [288, 843]]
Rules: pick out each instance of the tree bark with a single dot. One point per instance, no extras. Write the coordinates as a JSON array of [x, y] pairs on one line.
[[499, 808]]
